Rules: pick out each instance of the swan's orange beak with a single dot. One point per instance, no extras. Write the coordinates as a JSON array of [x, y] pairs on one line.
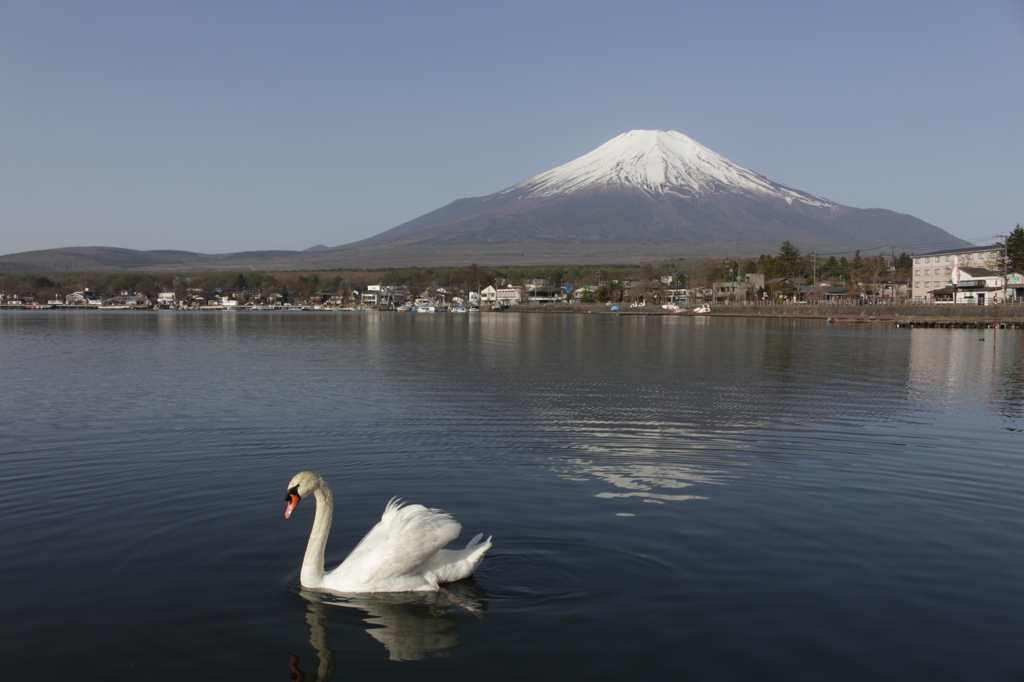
[[293, 502]]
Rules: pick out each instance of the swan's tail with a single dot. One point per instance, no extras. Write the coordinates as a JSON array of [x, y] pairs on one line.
[[449, 565], [476, 541]]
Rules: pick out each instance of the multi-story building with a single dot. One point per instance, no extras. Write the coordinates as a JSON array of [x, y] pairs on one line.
[[502, 295], [934, 271]]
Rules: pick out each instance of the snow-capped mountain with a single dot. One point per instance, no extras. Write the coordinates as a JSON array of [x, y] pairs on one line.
[[646, 195], [658, 162], [643, 195]]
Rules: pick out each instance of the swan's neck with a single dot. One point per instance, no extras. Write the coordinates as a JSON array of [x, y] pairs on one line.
[[312, 574]]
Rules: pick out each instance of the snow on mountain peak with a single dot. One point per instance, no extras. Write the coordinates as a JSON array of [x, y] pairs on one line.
[[658, 162]]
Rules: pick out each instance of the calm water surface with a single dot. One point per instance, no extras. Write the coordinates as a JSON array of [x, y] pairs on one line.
[[708, 499]]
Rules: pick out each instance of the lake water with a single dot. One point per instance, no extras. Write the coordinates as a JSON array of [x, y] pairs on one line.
[[680, 498]]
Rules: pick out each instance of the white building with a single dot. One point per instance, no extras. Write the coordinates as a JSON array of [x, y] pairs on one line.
[[383, 294], [503, 295], [981, 286], [588, 292], [84, 297], [934, 271]]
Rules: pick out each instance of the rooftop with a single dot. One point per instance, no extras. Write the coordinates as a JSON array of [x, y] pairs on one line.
[[975, 249]]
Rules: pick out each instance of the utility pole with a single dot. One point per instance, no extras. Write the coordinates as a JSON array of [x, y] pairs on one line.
[[1006, 257], [892, 274]]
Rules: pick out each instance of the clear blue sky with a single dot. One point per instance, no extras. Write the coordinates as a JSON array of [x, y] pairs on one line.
[[225, 126]]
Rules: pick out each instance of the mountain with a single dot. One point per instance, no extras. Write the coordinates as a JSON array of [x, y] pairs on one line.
[[647, 194]]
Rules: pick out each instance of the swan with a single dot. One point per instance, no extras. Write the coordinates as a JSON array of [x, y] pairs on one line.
[[402, 553]]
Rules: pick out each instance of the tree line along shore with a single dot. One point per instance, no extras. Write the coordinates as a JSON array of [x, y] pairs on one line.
[[789, 263], [782, 275]]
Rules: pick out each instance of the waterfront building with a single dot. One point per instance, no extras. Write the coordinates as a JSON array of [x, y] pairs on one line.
[[501, 295], [933, 272]]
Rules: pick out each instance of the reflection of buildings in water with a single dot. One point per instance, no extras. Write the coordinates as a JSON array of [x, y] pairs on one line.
[[944, 357], [968, 367], [411, 625], [943, 363]]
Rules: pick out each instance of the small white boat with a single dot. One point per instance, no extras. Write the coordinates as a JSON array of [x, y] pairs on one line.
[[425, 309], [702, 310], [673, 308], [459, 309]]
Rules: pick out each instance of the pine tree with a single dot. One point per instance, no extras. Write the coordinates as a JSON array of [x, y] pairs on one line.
[[1015, 250], [789, 253]]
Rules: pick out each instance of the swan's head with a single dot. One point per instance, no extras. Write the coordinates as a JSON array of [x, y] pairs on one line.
[[302, 484]]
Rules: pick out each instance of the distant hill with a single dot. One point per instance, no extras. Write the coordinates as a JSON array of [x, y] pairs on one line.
[[106, 259], [99, 258]]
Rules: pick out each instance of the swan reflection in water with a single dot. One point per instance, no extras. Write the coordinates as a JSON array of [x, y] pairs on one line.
[[411, 625]]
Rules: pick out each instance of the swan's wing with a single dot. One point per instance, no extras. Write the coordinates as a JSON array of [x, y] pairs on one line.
[[405, 538]]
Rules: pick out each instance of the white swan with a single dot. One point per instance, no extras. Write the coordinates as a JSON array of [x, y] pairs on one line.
[[402, 553]]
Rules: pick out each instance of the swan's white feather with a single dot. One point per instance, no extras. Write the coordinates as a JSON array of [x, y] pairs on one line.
[[405, 538], [401, 553]]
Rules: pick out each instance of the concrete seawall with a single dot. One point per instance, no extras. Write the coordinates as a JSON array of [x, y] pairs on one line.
[[906, 313], [895, 313]]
